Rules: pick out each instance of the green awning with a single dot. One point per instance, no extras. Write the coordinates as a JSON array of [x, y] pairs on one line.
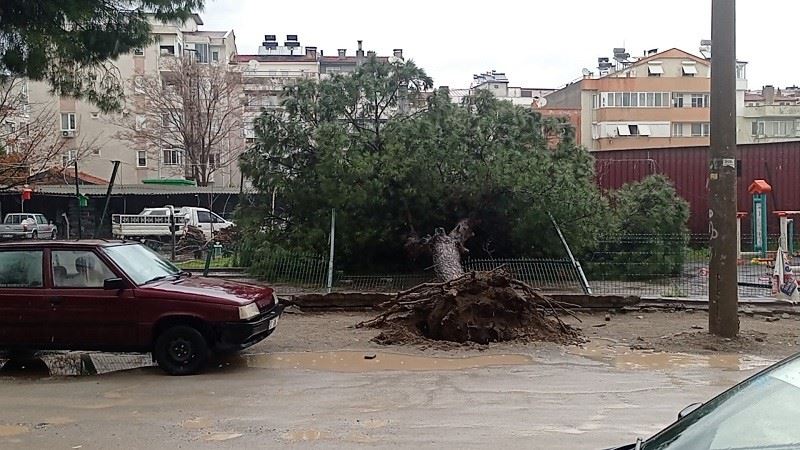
[[170, 182]]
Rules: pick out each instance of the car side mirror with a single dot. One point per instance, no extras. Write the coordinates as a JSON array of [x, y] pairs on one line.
[[114, 284], [688, 410]]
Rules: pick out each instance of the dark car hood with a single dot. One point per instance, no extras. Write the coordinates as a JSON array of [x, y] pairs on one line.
[[212, 289]]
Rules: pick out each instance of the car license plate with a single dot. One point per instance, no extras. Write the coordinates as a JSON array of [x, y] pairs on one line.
[[8, 236], [273, 323]]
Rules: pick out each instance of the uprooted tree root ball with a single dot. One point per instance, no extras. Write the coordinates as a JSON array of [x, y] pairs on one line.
[[478, 307]]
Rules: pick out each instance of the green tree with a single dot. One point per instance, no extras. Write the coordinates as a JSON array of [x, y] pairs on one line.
[[69, 44], [398, 163], [650, 235]]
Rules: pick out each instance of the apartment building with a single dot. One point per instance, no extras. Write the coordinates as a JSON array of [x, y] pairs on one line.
[[267, 73], [659, 100], [93, 137], [498, 84], [770, 115], [278, 65]]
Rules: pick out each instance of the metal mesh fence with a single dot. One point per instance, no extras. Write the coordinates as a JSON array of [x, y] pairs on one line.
[[641, 265], [666, 266], [546, 274]]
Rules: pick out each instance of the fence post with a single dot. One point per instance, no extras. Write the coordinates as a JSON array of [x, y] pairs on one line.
[[584, 282], [330, 252]]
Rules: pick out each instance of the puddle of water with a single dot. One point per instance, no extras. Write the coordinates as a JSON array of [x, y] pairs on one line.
[[198, 423], [305, 435], [13, 430], [222, 437], [646, 360], [355, 362]]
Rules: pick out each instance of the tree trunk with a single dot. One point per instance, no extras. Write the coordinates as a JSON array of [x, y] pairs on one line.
[[447, 249]]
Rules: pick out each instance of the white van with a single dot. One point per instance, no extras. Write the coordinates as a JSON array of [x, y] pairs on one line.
[[155, 222]]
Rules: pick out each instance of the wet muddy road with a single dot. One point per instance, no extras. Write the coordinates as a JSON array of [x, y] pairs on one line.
[[281, 397]]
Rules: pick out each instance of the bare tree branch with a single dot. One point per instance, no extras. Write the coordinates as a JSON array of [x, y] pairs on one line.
[[196, 108]]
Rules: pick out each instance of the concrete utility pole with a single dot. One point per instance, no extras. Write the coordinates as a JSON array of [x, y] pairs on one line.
[[723, 289]]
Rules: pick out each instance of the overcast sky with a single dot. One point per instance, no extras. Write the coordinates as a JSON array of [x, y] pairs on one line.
[[536, 43]]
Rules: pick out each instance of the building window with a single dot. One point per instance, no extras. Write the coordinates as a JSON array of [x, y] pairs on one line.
[[167, 50], [68, 122], [141, 158], [633, 130], [201, 52], [701, 100], [215, 56], [172, 157], [141, 122], [689, 68], [138, 51], [677, 100], [213, 161], [677, 129], [138, 84], [527, 93], [655, 69], [759, 128], [701, 129], [741, 71], [68, 157]]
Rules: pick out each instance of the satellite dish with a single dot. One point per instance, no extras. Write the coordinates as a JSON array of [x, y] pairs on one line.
[[539, 102], [395, 60], [587, 72]]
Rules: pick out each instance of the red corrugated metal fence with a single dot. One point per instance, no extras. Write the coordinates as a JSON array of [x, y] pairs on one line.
[[687, 167]]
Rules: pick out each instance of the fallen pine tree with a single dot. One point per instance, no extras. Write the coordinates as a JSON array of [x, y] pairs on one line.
[[479, 307]]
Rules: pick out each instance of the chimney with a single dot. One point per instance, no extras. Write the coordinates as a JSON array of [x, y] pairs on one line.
[[398, 53], [360, 51], [371, 54], [311, 52], [342, 52], [769, 95]]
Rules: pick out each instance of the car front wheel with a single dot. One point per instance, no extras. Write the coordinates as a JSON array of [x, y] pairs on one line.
[[181, 350]]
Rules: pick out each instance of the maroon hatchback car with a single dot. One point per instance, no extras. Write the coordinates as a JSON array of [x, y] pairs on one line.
[[120, 296]]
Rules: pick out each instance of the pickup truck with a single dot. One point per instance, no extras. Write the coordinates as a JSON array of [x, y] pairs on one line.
[[122, 297], [156, 222], [27, 226]]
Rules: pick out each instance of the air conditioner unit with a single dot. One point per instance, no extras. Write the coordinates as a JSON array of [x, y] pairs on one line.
[[68, 133]]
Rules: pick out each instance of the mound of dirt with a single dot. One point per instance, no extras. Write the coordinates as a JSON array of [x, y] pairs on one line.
[[479, 307]]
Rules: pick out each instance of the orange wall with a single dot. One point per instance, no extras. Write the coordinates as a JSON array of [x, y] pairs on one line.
[[653, 114], [651, 84], [573, 115]]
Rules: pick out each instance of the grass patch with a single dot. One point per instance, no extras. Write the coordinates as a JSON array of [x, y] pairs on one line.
[[216, 263]]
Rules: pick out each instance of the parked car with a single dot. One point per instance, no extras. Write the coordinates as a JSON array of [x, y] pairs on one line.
[[121, 296], [156, 222], [762, 412], [27, 226]]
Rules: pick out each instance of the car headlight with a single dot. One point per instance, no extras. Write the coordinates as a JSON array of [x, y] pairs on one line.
[[247, 312]]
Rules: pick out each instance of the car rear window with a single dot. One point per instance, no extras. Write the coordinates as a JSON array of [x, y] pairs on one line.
[[20, 269]]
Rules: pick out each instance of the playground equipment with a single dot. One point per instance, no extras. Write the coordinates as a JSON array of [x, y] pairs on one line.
[[759, 189], [787, 230]]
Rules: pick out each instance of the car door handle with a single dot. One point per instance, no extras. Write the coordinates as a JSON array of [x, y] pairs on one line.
[[56, 300]]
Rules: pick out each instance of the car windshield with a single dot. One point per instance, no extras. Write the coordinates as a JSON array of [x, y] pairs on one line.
[[140, 263], [761, 413]]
